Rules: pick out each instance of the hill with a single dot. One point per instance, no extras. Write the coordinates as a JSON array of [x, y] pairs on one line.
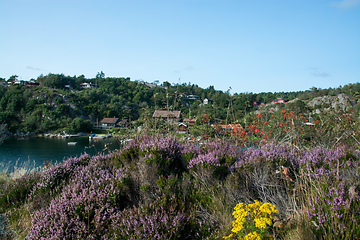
[[75, 104]]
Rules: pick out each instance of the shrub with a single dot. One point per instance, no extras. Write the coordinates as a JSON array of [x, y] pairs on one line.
[[138, 191], [84, 207], [13, 194], [252, 221], [53, 179]]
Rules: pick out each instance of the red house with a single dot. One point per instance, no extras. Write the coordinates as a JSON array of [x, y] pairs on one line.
[[280, 100], [182, 128], [189, 121]]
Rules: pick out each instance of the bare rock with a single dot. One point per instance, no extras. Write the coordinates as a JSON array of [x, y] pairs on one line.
[[340, 101]]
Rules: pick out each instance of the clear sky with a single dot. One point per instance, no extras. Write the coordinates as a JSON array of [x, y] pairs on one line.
[[248, 45]]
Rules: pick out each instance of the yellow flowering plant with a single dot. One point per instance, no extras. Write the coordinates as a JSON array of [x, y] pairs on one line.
[[252, 221]]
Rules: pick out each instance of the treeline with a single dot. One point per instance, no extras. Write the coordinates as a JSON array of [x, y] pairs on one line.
[[52, 106]]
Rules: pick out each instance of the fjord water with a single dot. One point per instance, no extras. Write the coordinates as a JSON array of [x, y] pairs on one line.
[[40, 150]]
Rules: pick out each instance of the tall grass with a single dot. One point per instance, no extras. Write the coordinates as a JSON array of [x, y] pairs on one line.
[[16, 181], [16, 170]]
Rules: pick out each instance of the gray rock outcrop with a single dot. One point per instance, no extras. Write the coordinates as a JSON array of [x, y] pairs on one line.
[[340, 101]]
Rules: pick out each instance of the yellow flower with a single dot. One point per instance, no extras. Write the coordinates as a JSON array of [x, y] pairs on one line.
[[254, 209], [237, 226], [228, 237], [268, 208], [252, 236], [262, 222], [247, 215]]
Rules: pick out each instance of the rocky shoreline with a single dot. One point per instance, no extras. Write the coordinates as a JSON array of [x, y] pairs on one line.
[[45, 135]]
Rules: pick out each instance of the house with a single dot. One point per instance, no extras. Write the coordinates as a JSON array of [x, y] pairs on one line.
[[182, 128], [280, 100], [207, 101], [189, 121], [69, 86], [171, 115], [26, 83], [192, 97], [87, 85], [20, 82], [122, 123], [232, 129], [109, 122], [33, 83]]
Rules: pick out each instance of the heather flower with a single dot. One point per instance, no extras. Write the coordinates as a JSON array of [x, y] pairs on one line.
[[53, 179], [97, 197], [215, 155], [148, 222], [83, 208], [165, 152], [272, 154]]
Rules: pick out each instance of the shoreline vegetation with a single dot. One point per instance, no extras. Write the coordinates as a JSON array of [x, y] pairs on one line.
[[48, 135]]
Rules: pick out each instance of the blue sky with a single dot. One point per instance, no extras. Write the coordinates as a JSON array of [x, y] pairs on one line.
[[248, 45]]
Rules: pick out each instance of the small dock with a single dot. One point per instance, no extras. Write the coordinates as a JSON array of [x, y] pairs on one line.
[[73, 135]]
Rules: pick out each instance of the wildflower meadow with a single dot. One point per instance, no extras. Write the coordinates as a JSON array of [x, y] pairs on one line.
[[159, 187]]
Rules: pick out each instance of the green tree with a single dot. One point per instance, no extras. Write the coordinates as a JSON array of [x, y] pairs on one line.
[[79, 125], [33, 121], [100, 75], [30, 104], [137, 98], [12, 78], [3, 130]]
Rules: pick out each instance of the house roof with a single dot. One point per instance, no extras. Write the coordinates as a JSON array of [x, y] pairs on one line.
[[165, 114], [189, 120], [109, 120], [280, 99], [229, 126], [123, 121]]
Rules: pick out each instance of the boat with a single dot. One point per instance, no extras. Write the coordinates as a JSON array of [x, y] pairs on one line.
[[97, 136]]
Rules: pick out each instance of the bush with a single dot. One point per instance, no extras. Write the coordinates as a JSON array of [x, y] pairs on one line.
[[13, 194], [154, 180], [252, 221]]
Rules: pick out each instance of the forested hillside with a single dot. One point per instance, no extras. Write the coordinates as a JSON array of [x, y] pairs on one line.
[[60, 103]]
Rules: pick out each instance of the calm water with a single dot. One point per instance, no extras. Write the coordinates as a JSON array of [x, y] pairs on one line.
[[51, 149]]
